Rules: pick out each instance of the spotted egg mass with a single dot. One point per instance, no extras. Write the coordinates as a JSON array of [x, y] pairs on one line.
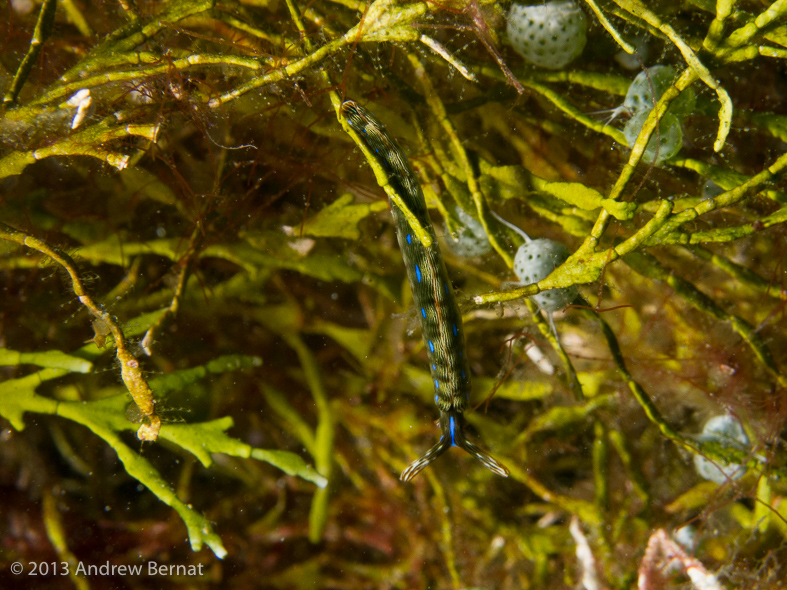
[[470, 239], [548, 35], [534, 261]]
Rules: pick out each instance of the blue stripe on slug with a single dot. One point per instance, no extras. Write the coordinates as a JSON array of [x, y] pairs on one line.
[[452, 427], [418, 273], [456, 330], [423, 312], [409, 239], [436, 384], [431, 346]]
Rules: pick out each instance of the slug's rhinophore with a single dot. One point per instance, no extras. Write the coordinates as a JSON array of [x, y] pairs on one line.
[[432, 291]]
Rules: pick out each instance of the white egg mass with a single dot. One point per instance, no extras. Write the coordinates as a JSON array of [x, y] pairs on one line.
[[535, 260], [470, 240], [548, 35]]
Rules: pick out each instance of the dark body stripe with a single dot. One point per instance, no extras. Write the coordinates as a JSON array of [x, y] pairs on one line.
[[432, 291]]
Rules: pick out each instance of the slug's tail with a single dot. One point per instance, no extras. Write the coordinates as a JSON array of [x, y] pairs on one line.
[[452, 425]]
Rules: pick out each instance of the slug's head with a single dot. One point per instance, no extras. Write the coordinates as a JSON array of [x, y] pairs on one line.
[[452, 425], [359, 118], [350, 108]]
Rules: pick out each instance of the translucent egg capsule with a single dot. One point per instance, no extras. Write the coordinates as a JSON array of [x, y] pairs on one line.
[[634, 62], [710, 189], [646, 90], [640, 95], [727, 431], [548, 35], [669, 139]]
